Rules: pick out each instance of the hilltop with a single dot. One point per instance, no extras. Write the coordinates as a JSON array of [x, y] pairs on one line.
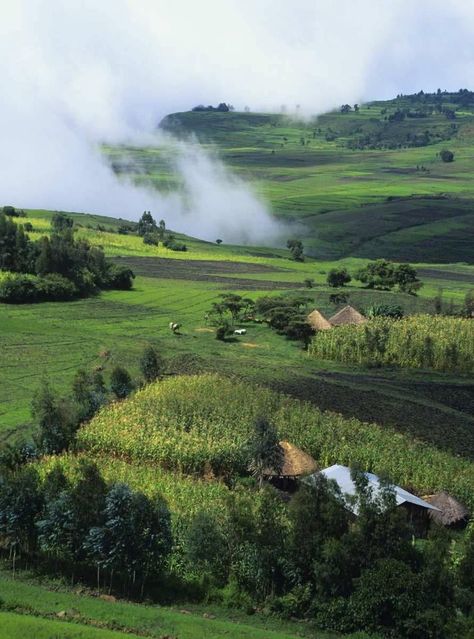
[[368, 182]]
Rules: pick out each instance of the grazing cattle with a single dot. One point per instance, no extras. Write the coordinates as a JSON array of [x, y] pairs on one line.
[[174, 327], [240, 331]]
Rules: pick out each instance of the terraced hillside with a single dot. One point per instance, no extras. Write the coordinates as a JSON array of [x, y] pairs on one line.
[[368, 183]]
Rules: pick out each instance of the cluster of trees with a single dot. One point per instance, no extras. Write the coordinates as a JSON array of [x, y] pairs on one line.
[[153, 233], [379, 274], [287, 315], [230, 309], [306, 557], [76, 528], [57, 418], [296, 250], [222, 107], [385, 275], [57, 267], [310, 558]]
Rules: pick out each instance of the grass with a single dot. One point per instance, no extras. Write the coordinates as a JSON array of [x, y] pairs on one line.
[[32, 611], [114, 327], [402, 203]]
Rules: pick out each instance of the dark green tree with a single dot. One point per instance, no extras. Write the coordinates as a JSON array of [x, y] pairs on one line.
[[121, 383], [265, 452], [56, 429], [146, 224], [338, 277], [296, 250], [152, 364], [20, 503], [207, 547]]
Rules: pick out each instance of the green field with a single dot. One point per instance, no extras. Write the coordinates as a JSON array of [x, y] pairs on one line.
[[390, 198], [34, 610], [357, 186], [58, 338]]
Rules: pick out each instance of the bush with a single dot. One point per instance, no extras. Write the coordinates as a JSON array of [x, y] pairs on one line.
[[338, 277], [120, 382], [55, 287], [18, 288], [151, 239], [119, 277], [446, 155]]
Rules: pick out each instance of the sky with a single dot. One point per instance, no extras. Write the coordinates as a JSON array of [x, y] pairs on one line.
[[78, 73]]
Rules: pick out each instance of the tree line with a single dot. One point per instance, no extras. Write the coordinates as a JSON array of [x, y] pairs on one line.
[[55, 267], [307, 557]]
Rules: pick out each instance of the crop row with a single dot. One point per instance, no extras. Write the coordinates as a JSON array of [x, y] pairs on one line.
[[419, 341], [202, 424]]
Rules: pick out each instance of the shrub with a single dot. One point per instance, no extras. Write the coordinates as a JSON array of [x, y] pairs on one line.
[[120, 382], [151, 239], [119, 277], [446, 155], [338, 277], [55, 287], [17, 288]]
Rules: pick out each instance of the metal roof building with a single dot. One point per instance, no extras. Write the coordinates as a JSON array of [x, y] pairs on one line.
[[342, 476]]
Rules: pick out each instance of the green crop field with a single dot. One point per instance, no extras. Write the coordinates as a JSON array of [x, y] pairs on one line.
[[55, 339], [355, 186]]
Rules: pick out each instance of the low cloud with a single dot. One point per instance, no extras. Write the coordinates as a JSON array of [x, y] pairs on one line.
[[79, 73]]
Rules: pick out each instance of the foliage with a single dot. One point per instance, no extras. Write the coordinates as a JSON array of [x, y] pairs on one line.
[[385, 310], [56, 428], [151, 364], [338, 277], [203, 423], [146, 224], [58, 267], [265, 452], [382, 274], [121, 383], [418, 341], [446, 155], [296, 250]]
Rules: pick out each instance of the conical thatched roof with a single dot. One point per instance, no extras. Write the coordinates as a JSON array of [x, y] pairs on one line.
[[296, 462], [450, 512], [318, 321], [347, 315]]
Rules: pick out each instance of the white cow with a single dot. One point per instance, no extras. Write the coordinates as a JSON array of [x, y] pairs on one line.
[[174, 327], [240, 331]]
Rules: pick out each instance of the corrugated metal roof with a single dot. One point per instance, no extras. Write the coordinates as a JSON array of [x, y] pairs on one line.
[[342, 476]]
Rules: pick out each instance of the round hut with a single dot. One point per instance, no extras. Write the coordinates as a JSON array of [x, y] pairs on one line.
[[347, 315], [317, 321], [450, 511], [296, 463]]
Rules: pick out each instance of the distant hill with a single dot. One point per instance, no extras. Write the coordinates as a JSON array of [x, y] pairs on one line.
[[365, 180]]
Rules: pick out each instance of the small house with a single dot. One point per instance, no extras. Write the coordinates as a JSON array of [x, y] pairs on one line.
[[318, 322], [347, 315], [296, 464], [418, 509]]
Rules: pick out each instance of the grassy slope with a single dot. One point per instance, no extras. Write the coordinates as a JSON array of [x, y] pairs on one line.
[[86, 614], [342, 196], [113, 328]]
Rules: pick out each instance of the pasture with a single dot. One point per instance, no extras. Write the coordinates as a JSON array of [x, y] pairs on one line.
[[31, 610], [113, 328]]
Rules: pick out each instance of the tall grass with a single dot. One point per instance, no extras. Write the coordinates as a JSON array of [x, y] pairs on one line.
[[419, 341], [202, 424]]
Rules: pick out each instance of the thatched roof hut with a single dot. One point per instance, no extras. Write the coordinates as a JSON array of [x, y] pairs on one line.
[[295, 463], [450, 511], [347, 315], [318, 321]]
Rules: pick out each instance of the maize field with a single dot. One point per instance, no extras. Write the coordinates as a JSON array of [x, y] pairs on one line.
[[201, 426], [420, 341]]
